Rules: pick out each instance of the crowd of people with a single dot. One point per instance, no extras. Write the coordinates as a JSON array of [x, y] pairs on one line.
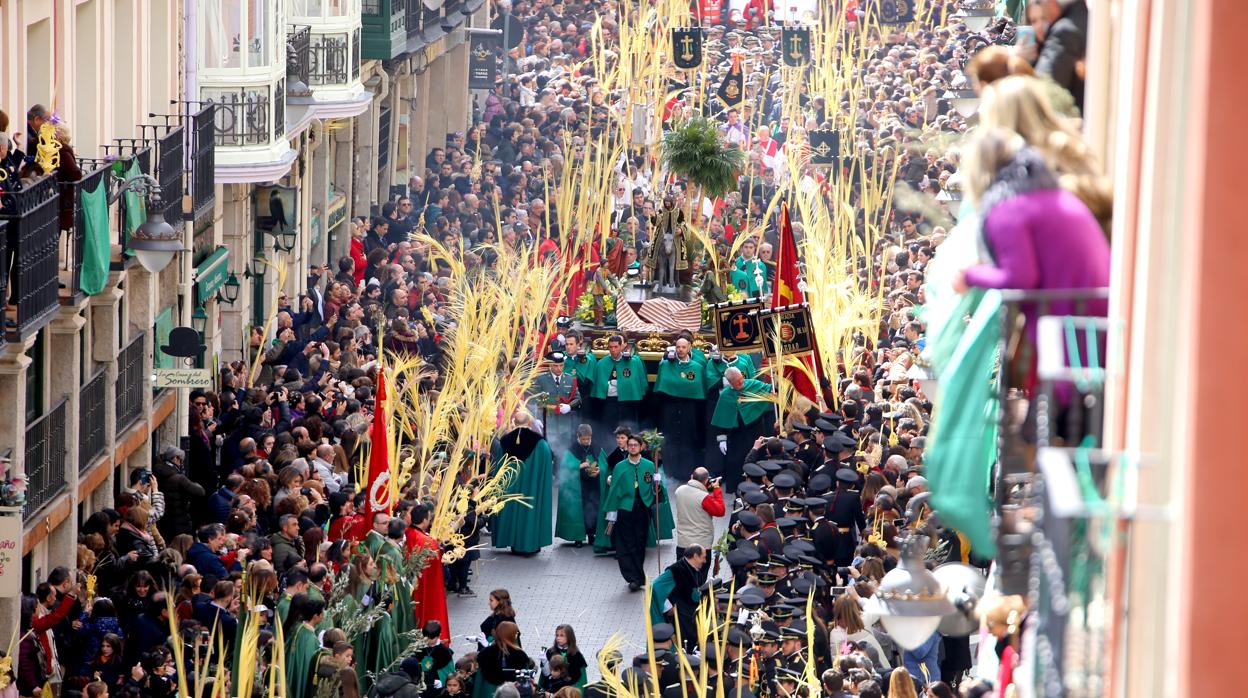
[[258, 530]]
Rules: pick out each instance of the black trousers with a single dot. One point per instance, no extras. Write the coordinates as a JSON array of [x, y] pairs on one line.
[[616, 413], [629, 537]]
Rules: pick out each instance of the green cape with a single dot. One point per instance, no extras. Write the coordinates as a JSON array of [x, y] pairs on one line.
[[526, 527], [681, 380], [734, 402], [569, 518], [714, 374], [630, 377], [301, 650]]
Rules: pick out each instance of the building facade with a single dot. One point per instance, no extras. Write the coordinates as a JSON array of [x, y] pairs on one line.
[[276, 122]]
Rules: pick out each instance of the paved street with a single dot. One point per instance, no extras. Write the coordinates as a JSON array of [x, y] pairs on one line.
[[561, 584]]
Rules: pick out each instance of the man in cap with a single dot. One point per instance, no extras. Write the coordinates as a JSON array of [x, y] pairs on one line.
[[845, 513], [181, 493], [558, 398]]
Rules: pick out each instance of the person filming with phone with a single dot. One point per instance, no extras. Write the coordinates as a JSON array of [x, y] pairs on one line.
[[698, 502]]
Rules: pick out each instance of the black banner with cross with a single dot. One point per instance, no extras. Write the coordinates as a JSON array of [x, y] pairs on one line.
[[736, 326], [795, 46], [687, 48], [825, 147], [792, 322]]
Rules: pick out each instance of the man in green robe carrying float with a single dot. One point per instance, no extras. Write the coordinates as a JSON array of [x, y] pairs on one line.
[[525, 527], [742, 414], [619, 385]]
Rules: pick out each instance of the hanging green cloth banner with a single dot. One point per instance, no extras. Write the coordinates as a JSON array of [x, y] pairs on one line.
[[93, 276], [963, 444], [136, 207]]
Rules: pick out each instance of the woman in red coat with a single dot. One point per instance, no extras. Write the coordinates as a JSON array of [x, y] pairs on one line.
[[358, 229]]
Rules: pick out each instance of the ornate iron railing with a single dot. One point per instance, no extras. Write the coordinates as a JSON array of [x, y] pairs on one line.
[[170, 170], [200, 138], [92, 437], [415, 19], [279, 110], [70, 193], [355, 55], [298, 54], [30, 218], [129, 389], [241, 117], [45, 460], [328, 60]]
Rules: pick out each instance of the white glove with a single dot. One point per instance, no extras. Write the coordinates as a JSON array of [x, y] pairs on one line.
[[723, 447], [565, 408], [726, 382]]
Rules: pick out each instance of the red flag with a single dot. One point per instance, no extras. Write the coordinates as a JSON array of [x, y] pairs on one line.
[[788, 292], [379, 456]]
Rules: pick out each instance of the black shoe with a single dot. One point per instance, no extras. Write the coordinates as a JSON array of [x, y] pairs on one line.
[[466, 591], [578, 544], [634, 586]]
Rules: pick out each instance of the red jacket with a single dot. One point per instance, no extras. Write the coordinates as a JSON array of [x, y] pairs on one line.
[[713, 503], [361, 260], [42, 626]]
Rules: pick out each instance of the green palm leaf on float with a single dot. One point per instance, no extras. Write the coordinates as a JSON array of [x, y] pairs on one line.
[[694, 150]]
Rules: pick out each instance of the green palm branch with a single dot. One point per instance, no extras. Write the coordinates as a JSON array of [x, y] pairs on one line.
[[694, 150]]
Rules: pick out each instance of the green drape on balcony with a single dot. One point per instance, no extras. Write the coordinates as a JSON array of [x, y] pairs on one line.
[[93, 276], [963, 447], [136, 206]]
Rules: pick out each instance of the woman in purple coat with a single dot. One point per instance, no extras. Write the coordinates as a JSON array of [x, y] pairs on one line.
[[1038, 235]]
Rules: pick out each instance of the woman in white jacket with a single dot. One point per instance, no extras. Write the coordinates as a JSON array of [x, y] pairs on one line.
[[847, 626]]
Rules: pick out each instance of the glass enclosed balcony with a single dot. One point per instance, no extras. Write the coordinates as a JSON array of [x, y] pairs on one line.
[[385, 28], [241, 60], [333, 55]]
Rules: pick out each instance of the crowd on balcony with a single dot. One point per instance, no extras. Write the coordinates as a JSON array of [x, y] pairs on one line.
[[267, 495]]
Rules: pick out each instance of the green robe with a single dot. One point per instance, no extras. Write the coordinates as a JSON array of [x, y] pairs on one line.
[[678, 379], [667, 522], [629, 374], [602, 542], [745, 276], [627, 479], [302, 649], [569, 517], [582, 369], [737, 403], [390, 557], [714, 374], [526, 527]]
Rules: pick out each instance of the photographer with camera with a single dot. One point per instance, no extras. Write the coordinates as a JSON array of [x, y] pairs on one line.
[[503, 661]]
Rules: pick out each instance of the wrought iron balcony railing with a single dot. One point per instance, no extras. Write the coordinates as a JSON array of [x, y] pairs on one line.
[[200, 141], [298, 57], [128, 392], [92, 436], [31, 221], [328, 62], [171, 171], [45, 460]]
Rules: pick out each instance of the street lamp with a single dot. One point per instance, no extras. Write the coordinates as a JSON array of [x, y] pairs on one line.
[[199, 321], [976, 14], [284, 241], [154, 242], [230, 289], [910, 602]]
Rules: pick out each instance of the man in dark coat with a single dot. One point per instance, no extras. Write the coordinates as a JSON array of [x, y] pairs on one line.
[[845, 513], [180, 493], [1065, 45], [685, 594]]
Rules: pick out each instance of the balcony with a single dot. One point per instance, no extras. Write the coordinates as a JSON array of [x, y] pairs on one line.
[[384, 24], [333, 56], [201, 143], [241, 68], [45, 460], [128, 393], [93, 439], [31, 221]]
